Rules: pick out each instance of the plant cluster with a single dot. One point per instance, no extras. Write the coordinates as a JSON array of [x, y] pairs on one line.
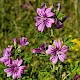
[[45, 64]]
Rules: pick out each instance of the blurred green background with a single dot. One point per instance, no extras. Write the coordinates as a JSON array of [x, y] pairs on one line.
[[15, 21]]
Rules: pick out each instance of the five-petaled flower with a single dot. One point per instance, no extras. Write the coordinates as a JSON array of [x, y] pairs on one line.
[[15, 69], [44, 18], [57, 51]]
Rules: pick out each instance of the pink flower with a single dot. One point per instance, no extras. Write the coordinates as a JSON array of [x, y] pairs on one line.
[[6, 60], [15, 69], [25, 6], [6, 56], [23, 41], [44, 18], [57, 51], [59, 23], [7, 51]]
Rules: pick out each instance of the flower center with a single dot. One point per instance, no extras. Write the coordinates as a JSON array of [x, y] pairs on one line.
[[44, 17], [15, 68]]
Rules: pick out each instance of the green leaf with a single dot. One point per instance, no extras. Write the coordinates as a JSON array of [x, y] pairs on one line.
[[59, 15]]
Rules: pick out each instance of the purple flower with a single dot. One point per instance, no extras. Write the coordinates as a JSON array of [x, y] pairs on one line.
[[15, 69], [23, 41], [39, 50], [25, 6], [76, 77], [44, 18], [6, 56], [15, 41], [6, 60], [57, 51], [7, 51], [59, 23]]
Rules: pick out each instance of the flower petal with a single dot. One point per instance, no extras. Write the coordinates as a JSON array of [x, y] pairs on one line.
[[7, 51], [41, 27], [62, 56], [42, 46], [21, 69], [9, 71], [41, 11], [48, 12], [36, 50], [3, 59], [14, 76], [20, 62], [18, 75], [49, 22], [8, 62], [17, 62], [54, 59], [39, 20], [58, 43], [50, 50], [64, 49]]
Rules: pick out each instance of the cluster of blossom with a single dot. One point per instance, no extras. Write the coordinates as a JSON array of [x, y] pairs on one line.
[[14, 66], [57, 50], [46, 18]]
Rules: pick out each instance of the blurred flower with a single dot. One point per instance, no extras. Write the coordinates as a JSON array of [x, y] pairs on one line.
[[15, 69], [58, 5], [77, 41], [6, 60], [23, 41], [15, 41], [70, 35], [7, 51], [25, 6], [57, 51], [39, 50], [69, 60], [76, 77], [77, 44], [59, 23], [44, 18], [6, 56]]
